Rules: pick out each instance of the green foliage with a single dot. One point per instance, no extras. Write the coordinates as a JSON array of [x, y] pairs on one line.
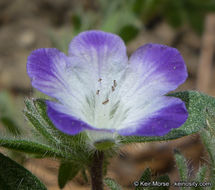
[[39, 125], [37, 108], [67, 171], [76, 22], [7, 114], [195, 103], [201, 177], [126, 18], [147, 10], [176, 13], [182, 166], [31, 147], [10, 125], [147, 178], [128, 32], [13, 175], [112, 184], [73, 148], [146, 175], [208, 139], [84, 175], [45, 140]]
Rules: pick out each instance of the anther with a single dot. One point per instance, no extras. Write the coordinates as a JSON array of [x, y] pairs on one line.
[[112, 88], [105, 102], [97, 92], [114, 83]]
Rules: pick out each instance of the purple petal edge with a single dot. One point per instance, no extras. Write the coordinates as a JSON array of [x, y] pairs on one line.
[[66, 122], [43, 69], [162, 122], [162, 67]]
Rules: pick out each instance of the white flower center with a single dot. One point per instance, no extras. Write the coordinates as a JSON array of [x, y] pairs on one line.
[[103, 109]]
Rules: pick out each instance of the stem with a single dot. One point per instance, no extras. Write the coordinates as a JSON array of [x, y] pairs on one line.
[[96, 171]]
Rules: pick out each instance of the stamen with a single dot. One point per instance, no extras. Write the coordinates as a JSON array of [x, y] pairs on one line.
[[97, 92], [114, 83], [100, 80], [105, 102], [112, 88]]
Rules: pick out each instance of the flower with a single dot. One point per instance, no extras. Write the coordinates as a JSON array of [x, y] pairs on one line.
[[100, 91]]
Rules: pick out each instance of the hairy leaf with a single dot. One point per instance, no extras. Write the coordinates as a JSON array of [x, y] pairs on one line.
[[14, 176], [31, 148], [37, 121], [201, 177], [112, 184], [182, 166], [146, 177], [67, 172]]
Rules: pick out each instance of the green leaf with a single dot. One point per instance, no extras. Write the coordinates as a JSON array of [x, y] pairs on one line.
[[196, 20], [76, 22], [7, 114], [37, 121], [14, 176], [4, 185], [6, 103], [175, 13], [196, 104], [182, 166], [112, 184], [10, 125], [146, 177], [207, 137], [67, 172], [72, 148], [128, 32], [153, 184], [63, 141], [84, 175], [201, 174], [31, 148], [200, 177], [149, 9]]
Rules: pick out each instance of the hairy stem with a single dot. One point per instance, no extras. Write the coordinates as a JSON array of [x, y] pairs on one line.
[[96, 170]]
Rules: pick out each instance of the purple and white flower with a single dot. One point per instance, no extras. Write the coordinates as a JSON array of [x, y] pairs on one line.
[[100, 91]]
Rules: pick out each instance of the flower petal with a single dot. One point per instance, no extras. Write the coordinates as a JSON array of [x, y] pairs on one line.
[[157, 118], [103, 55], [159, 69], [46, 68], [64, 121], [99, 48]]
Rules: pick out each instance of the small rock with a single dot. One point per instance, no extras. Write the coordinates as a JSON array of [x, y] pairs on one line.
[[27, 38]]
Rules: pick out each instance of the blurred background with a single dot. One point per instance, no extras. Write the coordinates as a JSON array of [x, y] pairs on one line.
[[188, 25]]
